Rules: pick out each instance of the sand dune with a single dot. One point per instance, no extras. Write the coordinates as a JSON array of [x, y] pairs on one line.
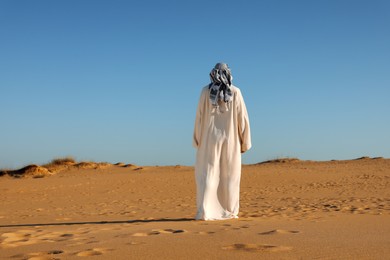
[[59, 165], [290, 209], [32, 170]]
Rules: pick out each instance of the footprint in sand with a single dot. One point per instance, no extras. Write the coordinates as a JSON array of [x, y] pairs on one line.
[[40, 255], [29, 237], [205, 232], [14, 239], [159, 231], [256, 248], [135, 243], [126, 235], [279, 231], [93, 252], [240, 227]]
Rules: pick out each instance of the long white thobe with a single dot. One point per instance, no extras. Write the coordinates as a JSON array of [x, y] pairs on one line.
[[221, 134]]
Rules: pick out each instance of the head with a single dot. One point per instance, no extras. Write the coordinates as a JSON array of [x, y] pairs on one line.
[[221, 74]]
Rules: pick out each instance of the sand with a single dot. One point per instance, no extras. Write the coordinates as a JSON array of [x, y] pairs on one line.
[[290, 209]]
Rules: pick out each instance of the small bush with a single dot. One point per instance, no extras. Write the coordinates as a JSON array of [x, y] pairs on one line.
[[65, 160]]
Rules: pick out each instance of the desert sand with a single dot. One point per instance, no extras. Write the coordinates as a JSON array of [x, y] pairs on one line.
[[290, 209]]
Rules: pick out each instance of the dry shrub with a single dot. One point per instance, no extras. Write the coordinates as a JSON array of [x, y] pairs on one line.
[[130, 165], [120, 164], [282, 160], [104, 165], [32, 170], [63, 161], [60, 164], [86, 165], [3, 172], [92, 165]]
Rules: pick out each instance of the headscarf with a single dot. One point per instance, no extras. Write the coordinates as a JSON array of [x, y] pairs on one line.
[[220, 86]]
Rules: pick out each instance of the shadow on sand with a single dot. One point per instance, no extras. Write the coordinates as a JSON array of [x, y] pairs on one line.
[[100, 222]]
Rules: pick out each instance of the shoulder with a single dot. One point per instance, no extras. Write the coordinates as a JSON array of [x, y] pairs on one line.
[[205, 90], [204, 93], [236, 90]]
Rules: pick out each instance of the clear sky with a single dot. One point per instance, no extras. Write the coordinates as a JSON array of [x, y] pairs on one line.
[[120, 80]]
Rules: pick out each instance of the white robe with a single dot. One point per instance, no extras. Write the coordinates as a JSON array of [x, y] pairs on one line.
[[220, 137]]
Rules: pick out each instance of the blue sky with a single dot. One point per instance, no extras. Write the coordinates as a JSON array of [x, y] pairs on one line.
[[120, 80]]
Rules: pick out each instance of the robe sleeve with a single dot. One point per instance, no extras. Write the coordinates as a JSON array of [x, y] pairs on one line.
[[198, 122], [244, 131]]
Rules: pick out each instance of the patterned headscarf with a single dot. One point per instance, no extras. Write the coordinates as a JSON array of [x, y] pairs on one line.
[[220, 87]]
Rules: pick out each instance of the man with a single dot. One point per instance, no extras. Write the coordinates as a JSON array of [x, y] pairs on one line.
[[221, 134]]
